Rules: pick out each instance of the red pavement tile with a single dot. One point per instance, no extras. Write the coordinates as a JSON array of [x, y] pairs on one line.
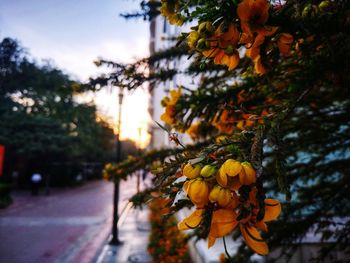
[[70, 225], [36, 244]]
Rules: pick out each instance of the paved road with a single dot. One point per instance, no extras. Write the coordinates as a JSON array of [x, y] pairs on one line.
[[67, 226]]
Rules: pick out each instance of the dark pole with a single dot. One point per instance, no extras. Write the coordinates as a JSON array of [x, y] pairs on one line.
[[139, 153], [115, 240]]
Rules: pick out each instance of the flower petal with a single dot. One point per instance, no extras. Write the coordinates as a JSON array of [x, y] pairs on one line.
[[221, 177], [247, 175], [261, 226], [223, 216], [272, 209], [253, 239], [232, 167], [211, 241], [192, 221], [234, 61]]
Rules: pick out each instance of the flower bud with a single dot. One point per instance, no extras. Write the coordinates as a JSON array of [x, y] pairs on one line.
[[214, 193], [229, 50], [306, 11], [208, 171], [222, 196], [193, 39], [202, 44], [221, 139], [206, 28], [324, 5], [164, 102], [192, 171], [198, 192], [225, 197]]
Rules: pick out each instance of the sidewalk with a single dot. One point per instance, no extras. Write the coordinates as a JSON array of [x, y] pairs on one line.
[[70, 225], [133, 232]]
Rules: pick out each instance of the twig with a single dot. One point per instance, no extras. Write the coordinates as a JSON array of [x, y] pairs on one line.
[[226, 251]]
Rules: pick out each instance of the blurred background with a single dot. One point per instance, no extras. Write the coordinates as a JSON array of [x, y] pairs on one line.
[[57, 131], [49, 124]]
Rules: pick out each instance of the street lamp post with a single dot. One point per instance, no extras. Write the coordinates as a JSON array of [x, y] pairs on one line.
[[115, 239], [139, 173]]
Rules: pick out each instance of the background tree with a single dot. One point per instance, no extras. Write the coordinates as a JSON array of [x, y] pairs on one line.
[[41, 122]]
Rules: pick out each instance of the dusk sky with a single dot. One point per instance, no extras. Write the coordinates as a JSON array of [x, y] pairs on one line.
[[74, 33]]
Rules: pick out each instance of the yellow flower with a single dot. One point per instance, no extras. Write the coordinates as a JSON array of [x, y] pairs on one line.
[[192, 171], [232, 167], [221, 139], [192, 40], [230, 182], [247, 175], [171, 11], [222, 196], [174, 96], [198, 191], [229, 168], [208, 171], [192, 221]]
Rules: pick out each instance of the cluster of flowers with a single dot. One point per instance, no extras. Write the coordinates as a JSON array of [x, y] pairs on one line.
[[166, 243], [225, 121], [229, 119], [169, 103], [221, 42], [237, 202], [170, 9]]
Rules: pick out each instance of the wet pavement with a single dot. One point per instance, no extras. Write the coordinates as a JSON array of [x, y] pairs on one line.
[[133, 233], [70, 225]]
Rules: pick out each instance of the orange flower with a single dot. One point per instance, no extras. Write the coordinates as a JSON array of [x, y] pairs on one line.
[[272, 209], [253, 15], [193, 130], [249, 226], [224, 122], [254, 50], [223, 222], [259, 68], [284, 43], [170, 106], [223, 46], [192, 221], [253, 239]]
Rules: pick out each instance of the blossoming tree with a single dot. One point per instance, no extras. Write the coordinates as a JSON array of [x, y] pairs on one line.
[[269, 120]]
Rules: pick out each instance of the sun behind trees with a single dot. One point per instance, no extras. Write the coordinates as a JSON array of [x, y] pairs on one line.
[[269, 116], [42, 125]]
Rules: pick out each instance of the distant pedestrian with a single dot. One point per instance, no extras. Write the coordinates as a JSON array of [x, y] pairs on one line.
[[36, 180]]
